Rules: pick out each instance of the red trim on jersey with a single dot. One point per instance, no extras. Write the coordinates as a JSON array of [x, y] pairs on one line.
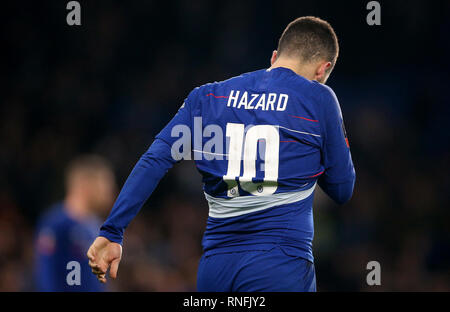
[[289, 141], [217, 96], [316, 175], [313, 120]]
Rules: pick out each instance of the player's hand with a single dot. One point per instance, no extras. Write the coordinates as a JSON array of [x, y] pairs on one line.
[[104, 254]]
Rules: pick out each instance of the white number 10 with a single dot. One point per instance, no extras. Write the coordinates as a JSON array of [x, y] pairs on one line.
[[268, 133]]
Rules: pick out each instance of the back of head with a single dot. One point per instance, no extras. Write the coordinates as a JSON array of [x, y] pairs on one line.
[[91, 177], [310, 39], [86, 166]]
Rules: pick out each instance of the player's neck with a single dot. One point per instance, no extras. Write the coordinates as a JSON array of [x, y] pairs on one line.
[[304, 70], [76, 207]]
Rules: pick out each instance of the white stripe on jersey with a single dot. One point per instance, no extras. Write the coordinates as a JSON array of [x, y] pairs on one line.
[[316, 135], [237, 206]]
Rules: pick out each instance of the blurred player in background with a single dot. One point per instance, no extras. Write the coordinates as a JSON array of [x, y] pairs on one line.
[[65, 232], [284, 134]]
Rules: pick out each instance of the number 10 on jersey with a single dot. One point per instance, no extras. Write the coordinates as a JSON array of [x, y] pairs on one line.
[[248, 143]]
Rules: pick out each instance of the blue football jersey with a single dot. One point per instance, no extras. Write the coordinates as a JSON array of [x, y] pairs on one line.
[[262, 142]]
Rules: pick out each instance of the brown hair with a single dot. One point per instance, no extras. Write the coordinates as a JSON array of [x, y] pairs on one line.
[[310, 38], [88, 164]]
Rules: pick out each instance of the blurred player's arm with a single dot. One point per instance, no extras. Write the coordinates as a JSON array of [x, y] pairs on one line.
[[106, 250], [338, 179]]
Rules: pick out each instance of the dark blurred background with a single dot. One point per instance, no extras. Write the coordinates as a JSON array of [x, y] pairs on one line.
[[109, 85]]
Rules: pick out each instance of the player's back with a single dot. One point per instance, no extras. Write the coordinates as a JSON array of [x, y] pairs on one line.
[[260, 157], [284, 145], [261, 141]]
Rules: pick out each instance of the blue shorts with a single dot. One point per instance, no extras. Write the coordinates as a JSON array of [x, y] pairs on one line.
[[247, 271]]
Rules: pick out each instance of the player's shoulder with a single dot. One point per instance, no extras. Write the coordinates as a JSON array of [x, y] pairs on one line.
[[239, 78], [329, 107], [296, 84], [54, 217], [235, 80], [324, 91], [50, 229], [211, 88], [326, 98]]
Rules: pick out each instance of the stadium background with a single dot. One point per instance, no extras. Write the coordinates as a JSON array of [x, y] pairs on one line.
[[109, 86]]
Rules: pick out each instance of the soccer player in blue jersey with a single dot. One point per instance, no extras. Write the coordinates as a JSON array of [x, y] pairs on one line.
[[65, 232], [262, 142]]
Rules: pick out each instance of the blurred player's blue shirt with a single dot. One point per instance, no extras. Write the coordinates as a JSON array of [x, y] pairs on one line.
[[262, 141], [59, 240]]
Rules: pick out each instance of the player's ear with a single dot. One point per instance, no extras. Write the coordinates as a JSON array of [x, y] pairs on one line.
[[274, 57], [321, 71]]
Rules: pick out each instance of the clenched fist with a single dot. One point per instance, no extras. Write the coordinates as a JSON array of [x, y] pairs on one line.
[[104, 254]]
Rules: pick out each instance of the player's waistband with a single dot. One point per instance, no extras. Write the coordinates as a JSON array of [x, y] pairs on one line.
[[237, 206]]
